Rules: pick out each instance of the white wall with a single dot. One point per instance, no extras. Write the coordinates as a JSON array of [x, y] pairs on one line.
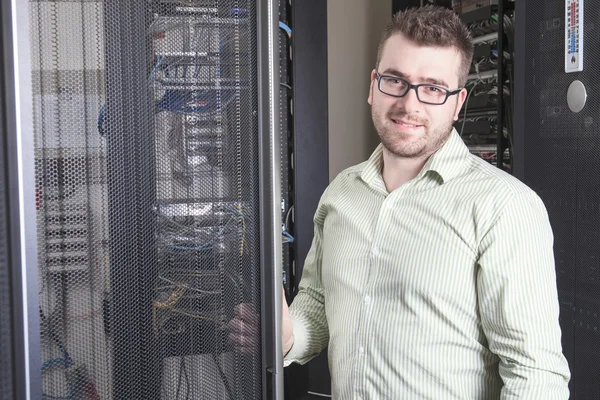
[[353, 29]]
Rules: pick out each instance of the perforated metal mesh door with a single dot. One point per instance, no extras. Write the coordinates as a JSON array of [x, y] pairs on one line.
[[147, 182], [560, 159], [6, 323]]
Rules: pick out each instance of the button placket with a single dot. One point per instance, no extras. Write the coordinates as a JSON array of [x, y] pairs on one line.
[[365, 312]]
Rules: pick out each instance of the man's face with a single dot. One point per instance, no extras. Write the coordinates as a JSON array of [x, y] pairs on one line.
[[408, 128]]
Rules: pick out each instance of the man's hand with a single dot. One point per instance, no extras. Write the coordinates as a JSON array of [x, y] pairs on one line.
[[244, 328]]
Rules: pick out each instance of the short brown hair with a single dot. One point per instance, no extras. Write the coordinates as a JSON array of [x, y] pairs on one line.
[[432, 26]]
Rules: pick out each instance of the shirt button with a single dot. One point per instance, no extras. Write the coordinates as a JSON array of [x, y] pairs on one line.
[[375, 251], [361, 350], [367, 299]]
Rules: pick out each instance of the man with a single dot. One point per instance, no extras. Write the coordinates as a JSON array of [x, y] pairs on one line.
[[431, 273]]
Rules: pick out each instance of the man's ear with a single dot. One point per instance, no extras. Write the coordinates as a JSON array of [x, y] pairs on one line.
[[373, 82], [462, 96]]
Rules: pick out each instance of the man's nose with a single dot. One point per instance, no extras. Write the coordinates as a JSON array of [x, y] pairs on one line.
[[410, 101]]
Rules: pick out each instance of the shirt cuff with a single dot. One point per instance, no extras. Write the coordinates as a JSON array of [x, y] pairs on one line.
[[297, 352]]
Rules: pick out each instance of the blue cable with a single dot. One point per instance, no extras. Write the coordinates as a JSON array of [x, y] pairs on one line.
[[236, 11], [235, 210], [289, 237], [62, 362], [57, 362], [286, 28], [153, 72], [174, 102]]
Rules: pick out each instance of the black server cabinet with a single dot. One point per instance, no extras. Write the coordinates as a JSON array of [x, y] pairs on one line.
[[555, 154], [153, 169], [154, 172], [307, 160]]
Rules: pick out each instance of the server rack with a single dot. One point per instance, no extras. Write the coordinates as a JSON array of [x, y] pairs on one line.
[[141, 215], [157, 181], [295, 377], [147, 216], [486, 120], [153, 176], [308, 137], [555, 151]]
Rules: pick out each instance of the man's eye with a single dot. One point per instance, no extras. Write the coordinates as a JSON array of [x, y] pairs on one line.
[[433, 89]]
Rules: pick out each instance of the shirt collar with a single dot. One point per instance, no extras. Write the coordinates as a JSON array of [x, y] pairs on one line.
[[371, 173], [448, 162]]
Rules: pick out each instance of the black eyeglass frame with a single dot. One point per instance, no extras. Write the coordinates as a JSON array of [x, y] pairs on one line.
[[416, 88]]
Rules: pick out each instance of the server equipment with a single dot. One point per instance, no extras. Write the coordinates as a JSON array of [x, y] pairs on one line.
[[556, 138], [485, 123], [166, 173]]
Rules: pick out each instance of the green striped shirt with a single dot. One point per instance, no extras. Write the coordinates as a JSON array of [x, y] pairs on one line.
[[443, 289]]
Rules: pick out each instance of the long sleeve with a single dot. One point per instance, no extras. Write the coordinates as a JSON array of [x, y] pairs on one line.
[[518, 301], [307, 311]]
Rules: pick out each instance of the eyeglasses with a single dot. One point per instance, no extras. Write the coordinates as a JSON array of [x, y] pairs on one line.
[[426, 93]]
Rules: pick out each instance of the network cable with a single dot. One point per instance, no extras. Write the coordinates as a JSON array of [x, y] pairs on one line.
[[286, 28], [285, 85], [467, 106], [287, 238], [79, 384]]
